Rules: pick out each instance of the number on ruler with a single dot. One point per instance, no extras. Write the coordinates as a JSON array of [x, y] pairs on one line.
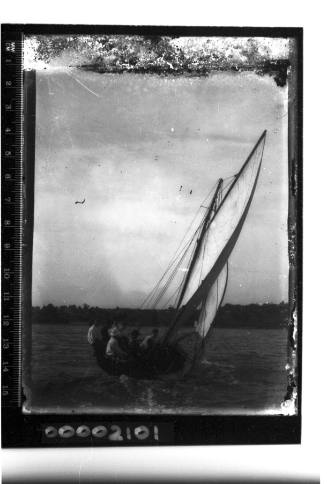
[[10, 47], [6, 273], [5, 343], [5, 390]]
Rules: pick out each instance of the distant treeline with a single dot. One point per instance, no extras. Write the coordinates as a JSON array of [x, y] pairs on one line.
[[230, 315]]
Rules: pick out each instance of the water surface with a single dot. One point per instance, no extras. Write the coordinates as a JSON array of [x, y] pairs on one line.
[[243, 371]]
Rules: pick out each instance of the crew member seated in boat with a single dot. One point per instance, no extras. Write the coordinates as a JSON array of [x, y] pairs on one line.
[[104, 330], [97, 331], [122, 338], [113, 349], [92, 333], [134, 343], [97, 336], [149, 341]]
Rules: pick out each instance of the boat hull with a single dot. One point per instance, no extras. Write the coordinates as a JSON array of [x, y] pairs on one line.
[[162, 362]]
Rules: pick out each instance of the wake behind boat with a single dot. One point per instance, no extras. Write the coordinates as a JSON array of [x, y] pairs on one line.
[[198, 294]]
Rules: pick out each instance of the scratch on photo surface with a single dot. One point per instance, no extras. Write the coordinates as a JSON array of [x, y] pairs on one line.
[[82, 84]]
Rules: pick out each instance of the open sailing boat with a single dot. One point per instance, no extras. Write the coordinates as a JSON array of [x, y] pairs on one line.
[[200, 293]]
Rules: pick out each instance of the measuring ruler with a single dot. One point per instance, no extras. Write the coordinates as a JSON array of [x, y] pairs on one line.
[[12, 216]]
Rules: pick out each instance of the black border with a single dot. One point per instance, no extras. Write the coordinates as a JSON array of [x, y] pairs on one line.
[[21, 430], [27, 430], [246, 31]]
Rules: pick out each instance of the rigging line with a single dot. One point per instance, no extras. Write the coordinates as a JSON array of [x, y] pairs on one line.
[[176, 255], [150, 295], [196, 214], [231, 176], [182, 252], [245, 164], [205, 239], [198, 245], [261, 142], [254, 171], [172, 296], [167, 283], [226, 186], [206, 236], [193, 236], [178, 250], [230, 180], [185, 275], [170, 278]]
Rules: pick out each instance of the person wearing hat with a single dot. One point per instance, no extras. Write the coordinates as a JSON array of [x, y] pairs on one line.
[[97, 337], [93, 333], [113, 349]]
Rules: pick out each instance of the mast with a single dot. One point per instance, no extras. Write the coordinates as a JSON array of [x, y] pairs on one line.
[[194, 258], [199, 241]]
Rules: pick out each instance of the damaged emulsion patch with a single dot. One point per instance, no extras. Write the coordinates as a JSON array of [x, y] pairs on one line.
[[289, 405], [193, 56]]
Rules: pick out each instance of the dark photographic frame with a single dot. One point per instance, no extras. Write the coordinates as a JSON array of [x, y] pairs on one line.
[[25, 430]]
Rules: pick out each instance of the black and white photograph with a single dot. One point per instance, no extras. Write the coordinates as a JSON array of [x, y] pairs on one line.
[[161, 279]]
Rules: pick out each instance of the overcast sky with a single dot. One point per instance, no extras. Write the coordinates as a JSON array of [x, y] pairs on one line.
[[126, 143]]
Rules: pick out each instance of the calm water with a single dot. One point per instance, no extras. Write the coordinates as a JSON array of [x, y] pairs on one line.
[[243, 371]]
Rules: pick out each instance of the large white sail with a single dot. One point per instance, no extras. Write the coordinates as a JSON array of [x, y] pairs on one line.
[[211, 303], [224, 224], [222, 231]]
